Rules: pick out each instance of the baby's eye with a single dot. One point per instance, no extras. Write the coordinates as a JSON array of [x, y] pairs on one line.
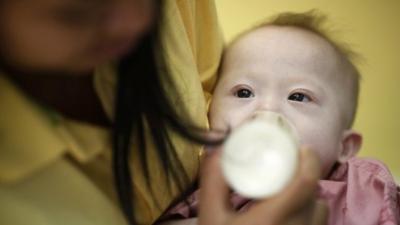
[[299, 97], [244, 93]]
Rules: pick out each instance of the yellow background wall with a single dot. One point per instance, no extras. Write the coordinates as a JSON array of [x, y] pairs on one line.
[[373, 29]]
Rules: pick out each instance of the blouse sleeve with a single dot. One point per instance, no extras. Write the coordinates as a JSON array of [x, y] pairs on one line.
[[193, 45]]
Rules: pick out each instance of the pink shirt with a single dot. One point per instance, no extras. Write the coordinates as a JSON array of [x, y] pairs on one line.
[[359, 192]]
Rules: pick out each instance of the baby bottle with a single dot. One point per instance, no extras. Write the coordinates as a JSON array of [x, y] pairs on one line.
[[260, 156]]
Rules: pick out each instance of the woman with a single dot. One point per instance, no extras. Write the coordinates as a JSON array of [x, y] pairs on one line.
[[61, 131]]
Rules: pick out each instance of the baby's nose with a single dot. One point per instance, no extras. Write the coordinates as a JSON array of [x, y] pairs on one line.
[[265, 110], [271, 102], [271, 115]]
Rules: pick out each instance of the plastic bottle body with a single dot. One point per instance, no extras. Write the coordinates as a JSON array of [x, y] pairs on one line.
[[260, 157]]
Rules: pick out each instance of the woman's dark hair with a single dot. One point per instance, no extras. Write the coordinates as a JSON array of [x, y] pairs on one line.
[[142, 101]]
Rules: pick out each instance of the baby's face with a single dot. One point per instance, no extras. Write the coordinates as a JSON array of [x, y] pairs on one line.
[[291, 72]]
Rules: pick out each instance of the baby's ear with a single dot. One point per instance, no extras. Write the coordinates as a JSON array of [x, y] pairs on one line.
[[350, 145]]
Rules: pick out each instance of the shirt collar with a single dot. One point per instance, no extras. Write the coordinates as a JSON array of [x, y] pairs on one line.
[[30, 138]]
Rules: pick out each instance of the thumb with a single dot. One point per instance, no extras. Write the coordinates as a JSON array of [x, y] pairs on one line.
[[214, 206]]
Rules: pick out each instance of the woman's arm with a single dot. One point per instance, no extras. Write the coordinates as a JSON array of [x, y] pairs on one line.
[[294, 205]]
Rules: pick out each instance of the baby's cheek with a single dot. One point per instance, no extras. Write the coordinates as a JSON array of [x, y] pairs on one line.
[[318, 143], [225, 116], [327, 154], [217, 120]]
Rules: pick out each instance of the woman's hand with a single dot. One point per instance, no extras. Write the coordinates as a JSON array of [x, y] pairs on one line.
[[296, 204]]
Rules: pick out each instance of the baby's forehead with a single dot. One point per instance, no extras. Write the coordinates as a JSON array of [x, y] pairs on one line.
[[289, 39], [296, 46]]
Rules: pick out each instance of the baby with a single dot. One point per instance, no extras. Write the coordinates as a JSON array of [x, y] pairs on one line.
[[292, 67]]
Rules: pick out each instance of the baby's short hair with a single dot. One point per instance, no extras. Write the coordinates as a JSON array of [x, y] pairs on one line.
[[315, 22]]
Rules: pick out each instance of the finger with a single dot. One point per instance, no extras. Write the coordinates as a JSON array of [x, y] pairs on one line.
[[214, 207], [301, 190], [321, 213], [298, 194]]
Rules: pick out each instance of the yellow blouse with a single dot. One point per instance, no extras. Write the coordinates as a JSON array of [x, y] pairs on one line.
[[55, 171]]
